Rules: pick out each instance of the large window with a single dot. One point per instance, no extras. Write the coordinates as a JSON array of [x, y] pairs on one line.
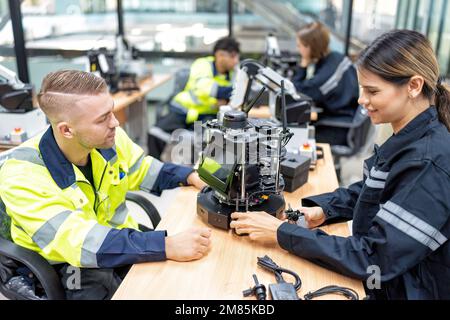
[[52, 27], [443, 52], [175, 25], [430, 18], [330, 12], [371, 18], [69, 24], [284, 18], [7, 54]]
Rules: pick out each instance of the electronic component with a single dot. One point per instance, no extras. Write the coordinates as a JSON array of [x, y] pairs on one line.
[[281, 290], [241, 160], [240, 164], [295, 171], [259, 290]]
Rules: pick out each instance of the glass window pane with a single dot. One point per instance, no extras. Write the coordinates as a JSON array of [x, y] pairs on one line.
[[53, 28], [194, 26], [329, 12], [7, 54], [175, 25], [69, 24], [422, 16], [372, 18], [435, 17], [411, 18], [402, 13], [283, 18], [444, 50]]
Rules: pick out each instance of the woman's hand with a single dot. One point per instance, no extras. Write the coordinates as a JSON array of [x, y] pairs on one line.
[[314, 216], [260, 226]]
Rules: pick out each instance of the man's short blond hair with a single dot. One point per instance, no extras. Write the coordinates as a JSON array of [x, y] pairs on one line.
[[61, 90]]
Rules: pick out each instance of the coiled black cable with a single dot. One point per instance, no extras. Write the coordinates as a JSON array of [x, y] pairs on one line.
[[346, 292], [268, 264]]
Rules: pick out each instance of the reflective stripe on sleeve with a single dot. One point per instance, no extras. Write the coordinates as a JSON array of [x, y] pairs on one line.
[[151, 176]]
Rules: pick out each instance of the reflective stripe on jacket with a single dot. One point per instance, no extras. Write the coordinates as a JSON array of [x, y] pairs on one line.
[[56, 212], [400, 215], [204, 87], [334, 86]]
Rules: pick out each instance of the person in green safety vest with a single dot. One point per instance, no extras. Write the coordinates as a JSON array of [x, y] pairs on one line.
[[65, 189], [208, 87]]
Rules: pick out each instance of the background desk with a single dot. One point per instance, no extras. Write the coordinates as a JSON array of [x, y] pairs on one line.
[[4, 147], [227, 269], [130, 108]]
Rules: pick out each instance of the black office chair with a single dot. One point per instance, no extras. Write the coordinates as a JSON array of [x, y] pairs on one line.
[[180, 80], [14, 258], [359, 137]]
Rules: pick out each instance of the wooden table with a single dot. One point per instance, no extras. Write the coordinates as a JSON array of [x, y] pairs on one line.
[[227, 269], [130, 108], [4, 147]]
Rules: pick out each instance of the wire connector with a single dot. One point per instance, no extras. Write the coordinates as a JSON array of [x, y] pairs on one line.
[[293, 215], [270, 265], [259, 290]]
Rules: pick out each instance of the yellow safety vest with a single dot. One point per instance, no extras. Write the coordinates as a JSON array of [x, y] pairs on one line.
[[55, 210], [199, 97]]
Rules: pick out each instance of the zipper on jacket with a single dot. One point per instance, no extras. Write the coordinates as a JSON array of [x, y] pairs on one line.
[[99, 187], [96, 196]]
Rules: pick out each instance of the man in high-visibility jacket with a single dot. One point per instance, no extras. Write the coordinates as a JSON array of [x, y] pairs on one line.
[[65, 190], [208, 87]]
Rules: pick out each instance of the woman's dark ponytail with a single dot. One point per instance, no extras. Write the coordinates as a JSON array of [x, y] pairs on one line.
[[442, 101]]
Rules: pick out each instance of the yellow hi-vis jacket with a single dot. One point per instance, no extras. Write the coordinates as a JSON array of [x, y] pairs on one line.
[[56, 212], [204, 87]]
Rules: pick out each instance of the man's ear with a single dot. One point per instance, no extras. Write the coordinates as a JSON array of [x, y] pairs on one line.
[[65, 130], [415, 86]]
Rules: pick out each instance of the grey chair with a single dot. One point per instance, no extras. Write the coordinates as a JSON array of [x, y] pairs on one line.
[[180, 80], [360, 136], [155, 133]]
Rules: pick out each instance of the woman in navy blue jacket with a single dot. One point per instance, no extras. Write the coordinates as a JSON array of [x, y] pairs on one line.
[[332, 84], [401, 208]]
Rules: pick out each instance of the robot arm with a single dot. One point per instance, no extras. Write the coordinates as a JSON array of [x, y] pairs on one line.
[[14, 94], [252, 71], [9, 77], [297, 107]]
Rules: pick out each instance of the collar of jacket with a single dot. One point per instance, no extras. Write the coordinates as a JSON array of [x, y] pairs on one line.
[[331, 59], [413, 131], [57, 164], [215, 72]]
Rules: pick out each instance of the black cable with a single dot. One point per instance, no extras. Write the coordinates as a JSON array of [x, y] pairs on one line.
[[270, 265], [347, 292], [287, 138]]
